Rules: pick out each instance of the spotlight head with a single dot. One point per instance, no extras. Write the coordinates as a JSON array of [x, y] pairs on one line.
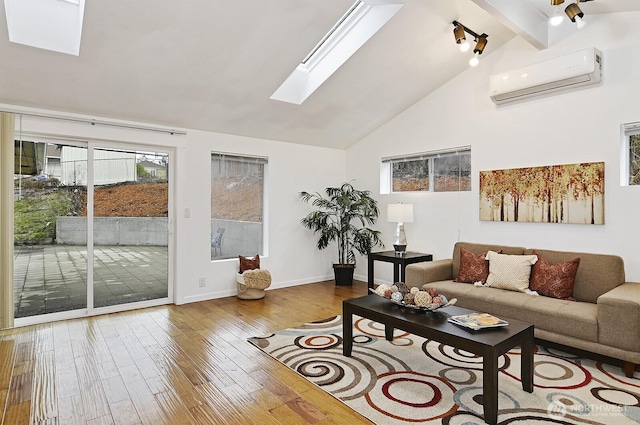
[[458, 33], [556, 2], [573, 11], [481, 43], [464, 47]]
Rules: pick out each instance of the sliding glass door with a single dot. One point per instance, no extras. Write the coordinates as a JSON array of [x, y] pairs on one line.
[[50, 237], [91, 228], [130, 226]]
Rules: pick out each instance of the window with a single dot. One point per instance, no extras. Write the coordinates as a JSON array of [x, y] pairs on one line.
[[352, 31], [438, 171], [237, 205], [631, 154], [52, 25]]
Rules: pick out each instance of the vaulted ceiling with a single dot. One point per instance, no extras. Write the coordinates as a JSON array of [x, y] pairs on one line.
[[213, 64]]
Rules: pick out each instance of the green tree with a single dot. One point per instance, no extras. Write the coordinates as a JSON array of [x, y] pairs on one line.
[[142, 172], [35, 217]]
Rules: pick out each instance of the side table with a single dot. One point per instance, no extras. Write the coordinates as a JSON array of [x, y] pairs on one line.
[[399, 263]]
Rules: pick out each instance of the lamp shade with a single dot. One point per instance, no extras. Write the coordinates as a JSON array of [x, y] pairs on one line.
[[400, 213]]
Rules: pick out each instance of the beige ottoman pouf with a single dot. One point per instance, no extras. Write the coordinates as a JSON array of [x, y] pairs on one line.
[[252, 283]]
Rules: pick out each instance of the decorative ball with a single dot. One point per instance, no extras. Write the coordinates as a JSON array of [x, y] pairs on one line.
[[387, 293], [409, 299], [393, 288], [402, 287], [433, 292], [422, 298], [414, 290], [437, 300], [381, 289], [444, 299], [397, 296]]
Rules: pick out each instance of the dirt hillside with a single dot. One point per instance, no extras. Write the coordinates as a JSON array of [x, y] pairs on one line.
[[234, 200], [130, 200]]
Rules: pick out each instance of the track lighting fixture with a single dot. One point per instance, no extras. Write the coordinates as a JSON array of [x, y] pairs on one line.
[[459, 31], [574, 13]]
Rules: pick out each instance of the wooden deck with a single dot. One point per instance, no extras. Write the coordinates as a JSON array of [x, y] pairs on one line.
[[188, 364]]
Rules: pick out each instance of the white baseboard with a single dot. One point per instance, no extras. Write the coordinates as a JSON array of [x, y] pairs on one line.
[[233, 292]]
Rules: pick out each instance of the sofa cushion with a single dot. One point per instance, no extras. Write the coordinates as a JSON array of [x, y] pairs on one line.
[[478, 248], [451, 289], [473, 268], [577, 319], [597, 274], [510, 272], [554, 280]]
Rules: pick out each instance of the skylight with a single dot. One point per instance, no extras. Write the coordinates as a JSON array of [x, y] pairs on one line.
[[358, 25], [46, 24], [340, 24]]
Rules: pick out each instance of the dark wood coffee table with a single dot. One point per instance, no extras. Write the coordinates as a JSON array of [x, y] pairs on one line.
[[488, 343]]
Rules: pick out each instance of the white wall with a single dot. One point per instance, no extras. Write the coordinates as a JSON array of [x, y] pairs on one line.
[[292, 256], [568, 127]]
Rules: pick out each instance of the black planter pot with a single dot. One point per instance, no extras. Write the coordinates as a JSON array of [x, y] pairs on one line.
[[343, 274]]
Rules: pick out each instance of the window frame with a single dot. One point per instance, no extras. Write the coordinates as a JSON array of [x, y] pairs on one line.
[[247, 158], [627, 130], [386, 168]]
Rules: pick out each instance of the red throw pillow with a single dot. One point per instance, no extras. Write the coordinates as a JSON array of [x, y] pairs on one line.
[[473, 268], [554, 280], [249, 263]]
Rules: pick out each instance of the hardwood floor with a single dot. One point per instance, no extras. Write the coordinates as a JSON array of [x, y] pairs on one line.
[[188, 364]]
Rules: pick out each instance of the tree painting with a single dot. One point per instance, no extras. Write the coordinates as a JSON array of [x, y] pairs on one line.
[[572, 193], [634, 159]]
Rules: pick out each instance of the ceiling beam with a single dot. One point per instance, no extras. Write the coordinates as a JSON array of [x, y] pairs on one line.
[[521, 17]]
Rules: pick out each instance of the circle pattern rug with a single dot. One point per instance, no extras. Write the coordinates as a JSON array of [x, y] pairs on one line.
[[414, 380]]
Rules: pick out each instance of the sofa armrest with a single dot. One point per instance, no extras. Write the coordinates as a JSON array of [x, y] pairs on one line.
[[429, 271], [619, 317]]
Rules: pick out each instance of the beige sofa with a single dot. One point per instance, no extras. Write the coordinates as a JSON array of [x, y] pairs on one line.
[[604, 319]]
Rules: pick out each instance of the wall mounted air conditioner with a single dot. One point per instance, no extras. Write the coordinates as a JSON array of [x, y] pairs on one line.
[[576, 69]]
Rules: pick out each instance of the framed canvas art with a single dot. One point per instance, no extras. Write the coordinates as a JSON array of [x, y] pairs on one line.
[[571, 193]]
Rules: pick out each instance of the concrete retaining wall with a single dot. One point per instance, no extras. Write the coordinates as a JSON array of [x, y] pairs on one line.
[[113, 231], [239, 238]]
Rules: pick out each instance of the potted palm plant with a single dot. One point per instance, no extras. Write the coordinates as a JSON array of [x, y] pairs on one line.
[[343, 216]]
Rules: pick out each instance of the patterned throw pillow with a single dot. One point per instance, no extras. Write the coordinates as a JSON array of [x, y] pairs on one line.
[[554, 280], [249, 263], [510, 272], [473, 268]]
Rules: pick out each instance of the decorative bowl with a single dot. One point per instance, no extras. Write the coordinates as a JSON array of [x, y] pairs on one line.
[[429, 307]]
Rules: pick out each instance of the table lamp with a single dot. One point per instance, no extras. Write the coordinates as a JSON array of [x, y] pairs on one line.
[[400, 213]]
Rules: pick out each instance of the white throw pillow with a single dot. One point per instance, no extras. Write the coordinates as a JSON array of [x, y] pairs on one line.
[[510, 272]]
